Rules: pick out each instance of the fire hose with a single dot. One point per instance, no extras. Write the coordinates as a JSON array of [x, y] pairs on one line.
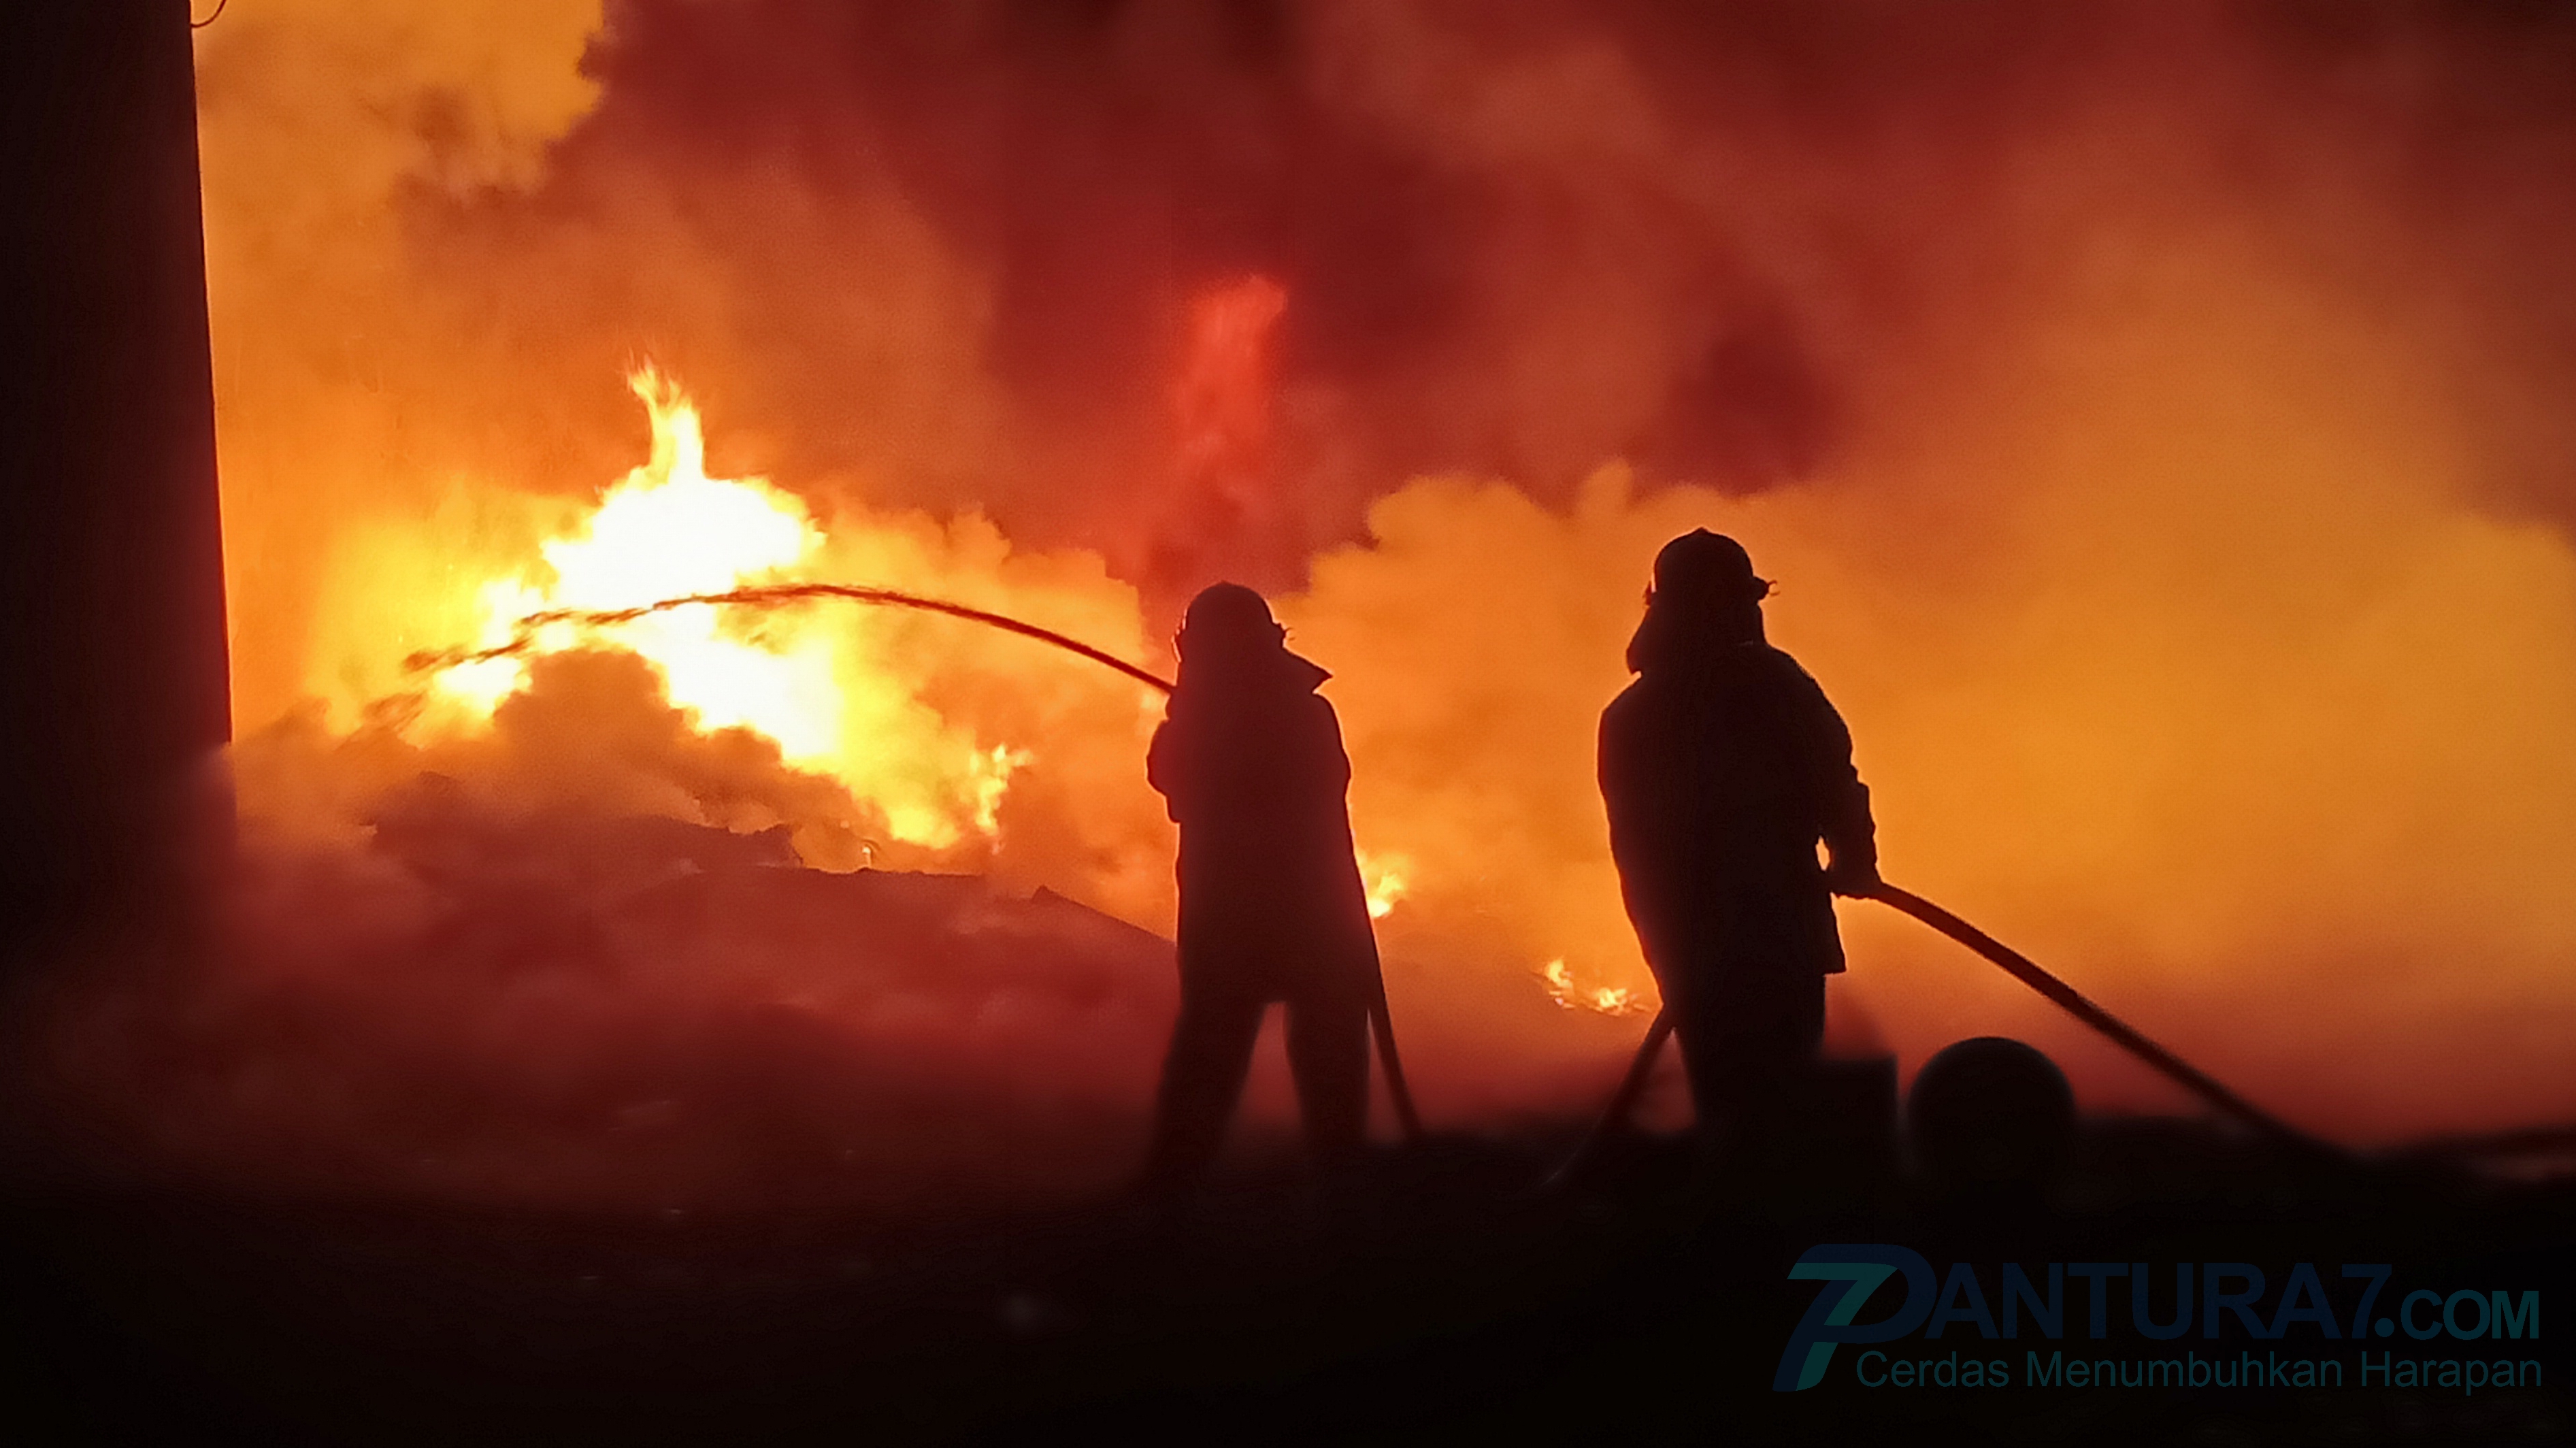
[[1613, 1118], [523, 638], [2020, 967]]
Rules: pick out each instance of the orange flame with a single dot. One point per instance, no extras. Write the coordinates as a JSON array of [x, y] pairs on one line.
[[1387, 880], [668, 529], [1605, 1000]]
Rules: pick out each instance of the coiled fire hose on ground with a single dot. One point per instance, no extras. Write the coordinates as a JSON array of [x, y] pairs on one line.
[[523, 639]]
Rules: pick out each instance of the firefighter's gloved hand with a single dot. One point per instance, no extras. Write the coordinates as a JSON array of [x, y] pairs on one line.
[[1855, 879]]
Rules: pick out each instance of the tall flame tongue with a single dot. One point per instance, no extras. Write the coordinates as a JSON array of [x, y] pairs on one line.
[[668, 530]]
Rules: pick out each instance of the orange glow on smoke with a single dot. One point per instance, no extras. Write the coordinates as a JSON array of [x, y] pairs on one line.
[[1222, 401]]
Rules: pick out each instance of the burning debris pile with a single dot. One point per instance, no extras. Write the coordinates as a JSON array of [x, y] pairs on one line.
[[638, 904], [582, 920]]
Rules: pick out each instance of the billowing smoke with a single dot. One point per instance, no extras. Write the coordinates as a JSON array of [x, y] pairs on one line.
[[2152, 414]]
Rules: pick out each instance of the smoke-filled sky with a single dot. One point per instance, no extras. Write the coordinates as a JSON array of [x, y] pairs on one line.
[[2153, 413], [944, 254]]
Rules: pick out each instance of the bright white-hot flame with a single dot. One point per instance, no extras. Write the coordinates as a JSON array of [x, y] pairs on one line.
[[667, 530], [993, 769]]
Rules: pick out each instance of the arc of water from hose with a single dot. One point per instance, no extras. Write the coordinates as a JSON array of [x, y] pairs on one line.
[[524, 633]]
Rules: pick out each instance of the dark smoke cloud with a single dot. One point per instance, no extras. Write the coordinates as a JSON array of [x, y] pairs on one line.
[[944, 251]]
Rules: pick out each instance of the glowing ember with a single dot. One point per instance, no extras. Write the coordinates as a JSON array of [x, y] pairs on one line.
[[1385, 877], [1606, 1000]]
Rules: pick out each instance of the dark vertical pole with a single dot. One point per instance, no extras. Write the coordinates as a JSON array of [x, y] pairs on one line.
[[114, 695]]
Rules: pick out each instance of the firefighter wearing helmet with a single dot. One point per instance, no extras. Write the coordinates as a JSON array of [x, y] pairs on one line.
[[1723, 767], [1249, 762]]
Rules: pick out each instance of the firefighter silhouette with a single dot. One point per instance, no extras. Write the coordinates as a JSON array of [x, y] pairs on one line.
[[1249, 761], [1723, 766]]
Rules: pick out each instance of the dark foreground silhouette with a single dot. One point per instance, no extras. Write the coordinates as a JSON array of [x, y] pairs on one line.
[[1438, 1300], [1722, 767], [1250, 764], [1433, 1295]]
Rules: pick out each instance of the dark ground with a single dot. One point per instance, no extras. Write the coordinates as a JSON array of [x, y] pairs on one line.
[[1431, 1295]]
